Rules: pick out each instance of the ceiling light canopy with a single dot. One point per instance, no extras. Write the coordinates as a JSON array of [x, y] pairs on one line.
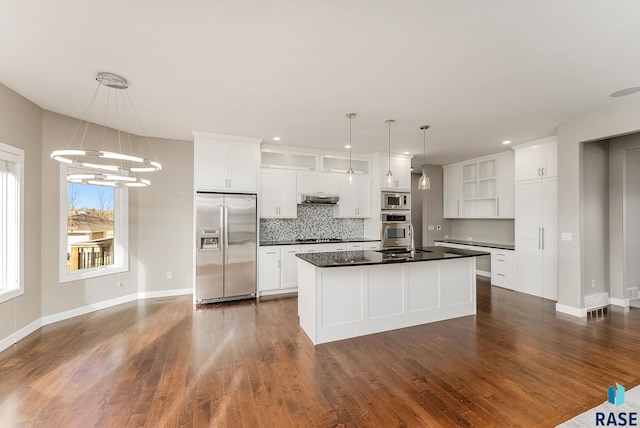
[[626, 91], [121, 167]]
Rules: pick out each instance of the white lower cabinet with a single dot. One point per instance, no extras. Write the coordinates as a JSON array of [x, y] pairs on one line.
[[278, 272], [503, 268], [277, 264], [502, 263]]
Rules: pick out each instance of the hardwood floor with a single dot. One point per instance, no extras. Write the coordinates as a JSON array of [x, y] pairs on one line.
[[165, 363]]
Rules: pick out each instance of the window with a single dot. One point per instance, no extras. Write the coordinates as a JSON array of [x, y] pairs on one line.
[[93, 230], [11, 230]]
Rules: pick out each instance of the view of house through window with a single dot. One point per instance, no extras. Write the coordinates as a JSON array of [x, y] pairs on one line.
[[90, 219]]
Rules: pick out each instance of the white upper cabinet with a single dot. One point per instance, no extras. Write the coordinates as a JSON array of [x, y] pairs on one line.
[[480, 188], [278, 196], [226, 163], [355, 199], [538, 159], [452, 187], [506, 186], [401, 169], [318, 182]]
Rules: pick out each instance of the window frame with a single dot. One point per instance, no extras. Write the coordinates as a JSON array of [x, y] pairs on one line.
[[16, 155], [120, 234]]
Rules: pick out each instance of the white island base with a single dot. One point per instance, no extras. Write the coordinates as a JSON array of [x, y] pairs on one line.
[[337, 303]]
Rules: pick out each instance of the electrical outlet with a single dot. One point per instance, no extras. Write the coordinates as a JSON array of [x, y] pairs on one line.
[[446, 236], [438, 227], [566, 236], [430, 227], [469, 238], [169, 274], [593, 283]]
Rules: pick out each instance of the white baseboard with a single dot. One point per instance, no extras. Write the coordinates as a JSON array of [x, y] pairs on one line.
[[483, 273], [61, 316], [619, 302], [20, 334], [570, 310], [165, 293]]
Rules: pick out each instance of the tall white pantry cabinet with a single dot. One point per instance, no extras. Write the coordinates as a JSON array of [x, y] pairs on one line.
[[536, 218]]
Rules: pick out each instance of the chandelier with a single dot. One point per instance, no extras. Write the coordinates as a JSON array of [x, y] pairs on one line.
[[116, 166]]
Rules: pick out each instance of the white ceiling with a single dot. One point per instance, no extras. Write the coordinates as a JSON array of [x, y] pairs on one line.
[[478, 72]]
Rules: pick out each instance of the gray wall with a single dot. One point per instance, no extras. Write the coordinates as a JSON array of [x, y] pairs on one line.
[[160, 226], [160, 221], [571, 136], [596, 217], [21, 126], [432, 208], [165, 220], [483, 230], [621, 223], [418, 204]]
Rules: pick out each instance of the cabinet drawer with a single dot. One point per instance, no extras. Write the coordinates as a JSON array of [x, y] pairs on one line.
[[502, 255], [290, 251], [502, 261], [372, 245], [502, 279], [269, 252]]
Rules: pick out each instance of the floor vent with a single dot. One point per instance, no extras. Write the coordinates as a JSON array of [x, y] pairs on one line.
[[633, 293], [596, 304]]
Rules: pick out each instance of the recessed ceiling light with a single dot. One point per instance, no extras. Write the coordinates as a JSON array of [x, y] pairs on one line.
[[506, 142], [276, 138], [347, 146], [626, 91]]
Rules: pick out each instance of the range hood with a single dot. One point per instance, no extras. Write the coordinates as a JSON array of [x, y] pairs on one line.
[[318, 199]]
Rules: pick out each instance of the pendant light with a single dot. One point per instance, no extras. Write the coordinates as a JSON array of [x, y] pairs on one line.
[[424, 183], [351, 175], [117, 167], [388, 181]]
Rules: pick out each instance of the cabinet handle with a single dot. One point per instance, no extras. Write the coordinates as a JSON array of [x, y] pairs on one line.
[[279, 265], [500, 260], [458, 207], [539, 238], [539, 172], [500, 254], [498, 206], [543, 172], [500, 274], [542, 228]]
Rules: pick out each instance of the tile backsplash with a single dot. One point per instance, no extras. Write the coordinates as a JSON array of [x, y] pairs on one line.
[[314, 221]]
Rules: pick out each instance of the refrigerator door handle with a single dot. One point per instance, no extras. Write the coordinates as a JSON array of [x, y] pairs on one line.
[[226, 233]]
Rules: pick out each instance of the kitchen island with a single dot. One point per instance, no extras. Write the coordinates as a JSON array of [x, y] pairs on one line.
[[354, 293]]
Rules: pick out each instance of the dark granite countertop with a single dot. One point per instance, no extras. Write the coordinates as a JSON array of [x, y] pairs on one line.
[[305, 242], [361, 258], [477, 244]]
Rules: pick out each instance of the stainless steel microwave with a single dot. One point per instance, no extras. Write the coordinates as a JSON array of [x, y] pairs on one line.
[[396, 201]]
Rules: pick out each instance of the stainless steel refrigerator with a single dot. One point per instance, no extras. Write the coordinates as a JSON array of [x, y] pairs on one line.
[[226, 250]]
